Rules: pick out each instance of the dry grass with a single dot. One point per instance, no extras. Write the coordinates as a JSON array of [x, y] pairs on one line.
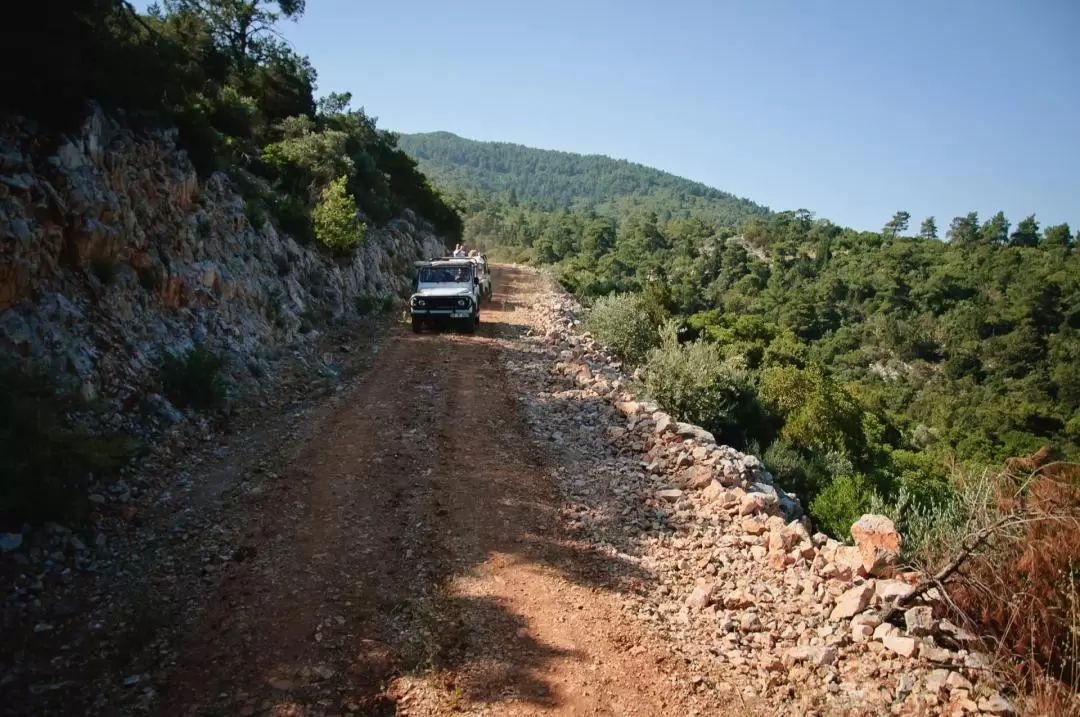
[[1020, 588]]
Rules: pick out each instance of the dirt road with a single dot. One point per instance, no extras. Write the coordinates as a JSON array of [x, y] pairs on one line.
[[409, 559]]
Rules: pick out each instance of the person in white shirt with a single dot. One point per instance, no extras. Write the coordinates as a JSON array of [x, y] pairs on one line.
[[459, 250]]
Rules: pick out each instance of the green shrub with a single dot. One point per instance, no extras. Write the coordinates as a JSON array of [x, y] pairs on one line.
[[256, 213], [842, 502], [336, 223], [292, 216], [804, 473], [366, 304], [794, 471], [933, 529], [233, 113], [45, 458], [819, 414], [308, 156], [194, 378], [620, 322], [200, 140], [695, 383]]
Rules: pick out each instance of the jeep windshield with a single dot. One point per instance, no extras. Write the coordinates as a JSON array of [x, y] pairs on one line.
[[445, 275]]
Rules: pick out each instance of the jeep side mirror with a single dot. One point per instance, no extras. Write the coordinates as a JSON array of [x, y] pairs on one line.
[[476, 280]]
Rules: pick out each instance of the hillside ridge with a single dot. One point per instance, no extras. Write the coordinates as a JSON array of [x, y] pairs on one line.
[[557, 179]]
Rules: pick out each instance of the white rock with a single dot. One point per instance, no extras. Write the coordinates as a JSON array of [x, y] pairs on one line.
[[903, 646], [753, 503], [995, 704], [700, 597], [891, 590], [861, 632], [935, 681], [878, 542], [853, 601], [919, 620], [956, 681], [819, 656], [884, 630]]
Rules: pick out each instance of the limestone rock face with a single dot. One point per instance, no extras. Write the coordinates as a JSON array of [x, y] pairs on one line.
[[111, 247]]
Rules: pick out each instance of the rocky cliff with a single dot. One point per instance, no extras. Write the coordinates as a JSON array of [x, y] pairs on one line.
[[112, 249]]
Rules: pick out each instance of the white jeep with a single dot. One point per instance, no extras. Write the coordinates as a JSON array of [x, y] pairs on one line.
[[483, 271], [446, 290]]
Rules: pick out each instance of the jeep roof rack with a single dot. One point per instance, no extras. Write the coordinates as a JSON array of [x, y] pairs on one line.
[[441, 260]]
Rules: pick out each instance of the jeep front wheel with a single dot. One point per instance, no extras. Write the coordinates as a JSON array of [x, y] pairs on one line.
[[417, 324]]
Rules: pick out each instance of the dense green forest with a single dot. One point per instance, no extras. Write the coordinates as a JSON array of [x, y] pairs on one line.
[[243, 100], [555, 181], [868, 369]]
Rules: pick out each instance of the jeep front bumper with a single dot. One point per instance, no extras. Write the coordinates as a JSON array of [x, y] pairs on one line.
[[441, 313]]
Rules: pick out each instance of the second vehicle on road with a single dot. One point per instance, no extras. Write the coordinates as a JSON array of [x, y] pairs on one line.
[[447, 290]]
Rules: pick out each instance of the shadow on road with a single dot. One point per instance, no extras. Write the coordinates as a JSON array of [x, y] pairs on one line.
[[417, 534]]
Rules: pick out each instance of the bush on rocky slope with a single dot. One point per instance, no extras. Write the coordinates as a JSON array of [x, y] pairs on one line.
[[193, 378], [336, 225], [238, 104], [817, 431], [622, 323], [696, 383], [46, 457]]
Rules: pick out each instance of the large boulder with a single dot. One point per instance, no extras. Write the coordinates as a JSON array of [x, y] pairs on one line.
[[878, 543]]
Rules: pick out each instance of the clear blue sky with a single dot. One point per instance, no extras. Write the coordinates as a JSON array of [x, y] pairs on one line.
[[850, 108]]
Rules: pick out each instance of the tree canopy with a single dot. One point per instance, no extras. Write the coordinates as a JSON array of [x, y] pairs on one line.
[[242, 98], [877, 362], [556, 181]]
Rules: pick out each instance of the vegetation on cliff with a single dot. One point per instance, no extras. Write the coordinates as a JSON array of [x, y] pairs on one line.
[[242, 99], [243, 102]]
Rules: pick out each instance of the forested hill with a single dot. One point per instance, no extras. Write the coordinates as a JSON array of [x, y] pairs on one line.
[[552, 180], [865, 368]]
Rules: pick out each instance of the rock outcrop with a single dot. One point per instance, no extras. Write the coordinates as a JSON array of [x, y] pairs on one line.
[[112, 248], [766, 608]]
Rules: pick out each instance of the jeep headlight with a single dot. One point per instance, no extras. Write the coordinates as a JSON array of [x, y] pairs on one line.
[[417, 301], [461, 302]]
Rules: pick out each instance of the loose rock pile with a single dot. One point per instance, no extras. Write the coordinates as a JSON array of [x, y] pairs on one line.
[[765, 608]]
